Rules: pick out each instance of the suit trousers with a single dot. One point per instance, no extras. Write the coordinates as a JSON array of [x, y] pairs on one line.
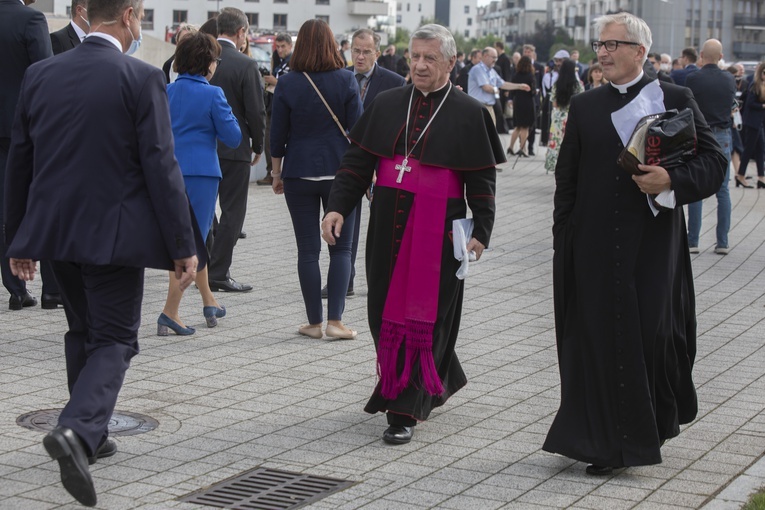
[[232, 194], [355, 242], [103, 310], [15, 286]]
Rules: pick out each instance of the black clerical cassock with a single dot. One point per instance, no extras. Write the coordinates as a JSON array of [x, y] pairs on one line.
[[461, 143]]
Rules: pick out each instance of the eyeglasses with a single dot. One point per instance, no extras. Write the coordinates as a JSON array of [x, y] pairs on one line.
[[610, 45], [366, 53]]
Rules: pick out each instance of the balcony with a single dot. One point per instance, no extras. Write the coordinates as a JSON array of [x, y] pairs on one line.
[[752, 22], [748, 51], [367, 8]]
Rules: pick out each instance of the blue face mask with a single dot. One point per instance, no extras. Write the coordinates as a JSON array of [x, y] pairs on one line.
[[136, 42]]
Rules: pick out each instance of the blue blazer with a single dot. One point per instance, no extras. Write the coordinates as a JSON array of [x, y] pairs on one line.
[[679, 75], [200, 115], [302, 130], [381, 80], [106, 189]]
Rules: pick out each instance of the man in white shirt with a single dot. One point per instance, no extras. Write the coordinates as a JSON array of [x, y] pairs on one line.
[[484, 83]]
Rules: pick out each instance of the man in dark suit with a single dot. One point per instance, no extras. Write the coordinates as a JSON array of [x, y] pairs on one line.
[[238, 76], [688, 60], [372, 79], [539, 71], [115, 203], [72, 34], [25, 40], [280, 65]]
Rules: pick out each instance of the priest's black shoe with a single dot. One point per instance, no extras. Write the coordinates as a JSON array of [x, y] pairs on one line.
[[594, 470], [242, 235], [107, 449], [398, 434], [19, 302], [325, 292], [51, 301], [63, 445], [229, 285]]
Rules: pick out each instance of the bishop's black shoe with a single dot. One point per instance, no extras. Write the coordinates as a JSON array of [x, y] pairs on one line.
[[51, 301], [398, 434], [229, 285], [107, 449], [63, 445], [594, 470]]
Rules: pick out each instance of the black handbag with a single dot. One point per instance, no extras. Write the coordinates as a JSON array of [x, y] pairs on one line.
[[665, 139]]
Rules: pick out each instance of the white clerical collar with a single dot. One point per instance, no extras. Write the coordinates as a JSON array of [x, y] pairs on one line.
[[80, 32], [425, 94], [229, 41], [623, 88], [108, 37]]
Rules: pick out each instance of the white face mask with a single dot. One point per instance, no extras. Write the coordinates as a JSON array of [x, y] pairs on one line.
[[665, 67], [136, 43]]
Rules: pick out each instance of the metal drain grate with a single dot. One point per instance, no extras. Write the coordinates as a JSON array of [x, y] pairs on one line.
[[267, 489]]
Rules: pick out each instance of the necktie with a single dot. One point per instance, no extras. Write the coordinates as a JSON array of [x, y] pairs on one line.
[[359, 78]]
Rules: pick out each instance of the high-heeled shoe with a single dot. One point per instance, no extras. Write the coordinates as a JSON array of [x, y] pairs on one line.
[[212, 314], [760, 184], [343, 334], [510, 151], [741, 181], [164, 323], [311, 331]]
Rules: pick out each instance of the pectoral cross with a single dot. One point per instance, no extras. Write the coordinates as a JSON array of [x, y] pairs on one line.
[[401, 169]]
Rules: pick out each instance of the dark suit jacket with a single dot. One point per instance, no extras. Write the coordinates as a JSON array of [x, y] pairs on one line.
[[238, 76], [679, 75], [64, 40], [302, 130], [167, 66], [381, 79], [24, 40], [109, 190]]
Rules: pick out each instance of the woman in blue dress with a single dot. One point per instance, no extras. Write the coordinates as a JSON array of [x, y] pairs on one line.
[[200, 116]]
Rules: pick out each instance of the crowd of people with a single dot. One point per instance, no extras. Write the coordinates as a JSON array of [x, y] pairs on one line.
[[340, 122]]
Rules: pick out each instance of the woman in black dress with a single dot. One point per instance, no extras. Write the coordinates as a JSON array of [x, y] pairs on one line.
[[523, 105]]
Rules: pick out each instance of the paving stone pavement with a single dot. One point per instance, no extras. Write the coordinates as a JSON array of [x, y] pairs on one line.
[[252, 392]]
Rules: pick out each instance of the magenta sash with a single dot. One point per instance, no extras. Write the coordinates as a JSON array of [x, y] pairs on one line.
[[411, 306]]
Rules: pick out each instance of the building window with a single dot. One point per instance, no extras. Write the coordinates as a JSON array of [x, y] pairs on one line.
[[212, 14], [147, 23], [467, 9], [252, 1], [252, 18], [470, 22], [280, 1], [179, 16], [398, 19], [322, 2], [324, 18], [399, 6], [280, 22], [407, 7], [419, 7], [467, 34]]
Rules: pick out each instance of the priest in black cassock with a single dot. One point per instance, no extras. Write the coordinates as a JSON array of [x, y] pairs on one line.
[[625, 314], [414, 138]]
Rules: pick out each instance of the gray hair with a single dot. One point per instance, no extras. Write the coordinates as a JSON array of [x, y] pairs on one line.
[[433, 31], [366, 32], [637, 29], [230, 20]]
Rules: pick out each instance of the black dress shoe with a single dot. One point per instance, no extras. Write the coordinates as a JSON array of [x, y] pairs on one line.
[[242, 235], [63, 445], [530, 153], [594, 470], [325, 292], [229, 285], [398, 434], [107, 449], [51, 301], [19, 302]]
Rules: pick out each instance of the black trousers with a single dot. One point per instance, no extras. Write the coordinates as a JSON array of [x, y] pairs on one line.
[[15, 286], [232, 194], [355, 243], [103, 310]]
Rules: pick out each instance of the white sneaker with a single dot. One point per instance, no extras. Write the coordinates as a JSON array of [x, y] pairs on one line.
[[693, 249], [721, 251]]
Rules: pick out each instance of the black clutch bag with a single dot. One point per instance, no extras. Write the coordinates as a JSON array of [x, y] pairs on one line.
[[665, 139]]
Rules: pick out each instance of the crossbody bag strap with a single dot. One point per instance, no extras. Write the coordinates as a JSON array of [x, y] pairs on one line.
[[334, 117]]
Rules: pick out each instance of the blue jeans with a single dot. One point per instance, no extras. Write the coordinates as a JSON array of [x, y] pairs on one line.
[[305, 201], [723, 137]]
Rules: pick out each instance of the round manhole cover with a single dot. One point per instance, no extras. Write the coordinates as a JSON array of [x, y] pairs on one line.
[[122, 423]]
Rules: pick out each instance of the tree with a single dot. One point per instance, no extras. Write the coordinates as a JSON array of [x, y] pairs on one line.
[[545, 36]]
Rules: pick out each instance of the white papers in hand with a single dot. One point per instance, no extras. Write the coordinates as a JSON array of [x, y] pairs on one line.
[[462, 231]]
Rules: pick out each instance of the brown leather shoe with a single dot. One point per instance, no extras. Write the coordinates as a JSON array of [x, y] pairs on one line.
[[265, 181]]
